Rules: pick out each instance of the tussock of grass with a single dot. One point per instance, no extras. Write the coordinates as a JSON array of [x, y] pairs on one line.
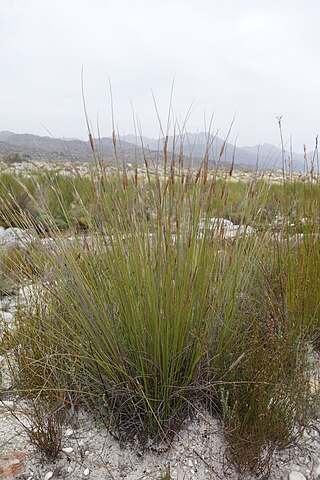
[[151, 313]]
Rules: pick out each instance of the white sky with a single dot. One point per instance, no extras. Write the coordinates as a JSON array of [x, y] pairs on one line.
[[257, 59]]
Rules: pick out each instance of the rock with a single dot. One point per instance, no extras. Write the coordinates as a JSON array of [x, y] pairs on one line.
[[15, 237], [296, 476], [5, 377], [6, 317], [11, 466], [48, 475], [294, 467], [86, 472], [67, 450], [5, 304], [69, 432], [221, 227], [317, 471], [7, 405], [27, 293]]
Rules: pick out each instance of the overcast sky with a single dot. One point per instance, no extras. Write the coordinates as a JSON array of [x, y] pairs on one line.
[[254, 60]]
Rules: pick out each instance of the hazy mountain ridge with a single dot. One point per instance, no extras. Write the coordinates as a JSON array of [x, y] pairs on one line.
[[37, 147], [268, 156], [194, 146]]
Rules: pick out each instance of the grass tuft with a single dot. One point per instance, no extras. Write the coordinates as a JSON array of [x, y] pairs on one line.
[[144, 304]]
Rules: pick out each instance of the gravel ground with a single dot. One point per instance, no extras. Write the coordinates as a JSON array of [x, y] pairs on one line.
[[89, 451]]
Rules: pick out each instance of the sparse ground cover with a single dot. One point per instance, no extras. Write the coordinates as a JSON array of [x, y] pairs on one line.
[[146, 309]]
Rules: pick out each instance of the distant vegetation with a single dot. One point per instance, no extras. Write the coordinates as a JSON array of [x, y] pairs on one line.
[[39, 200], [13, 158], [53, 200], [156, 310]]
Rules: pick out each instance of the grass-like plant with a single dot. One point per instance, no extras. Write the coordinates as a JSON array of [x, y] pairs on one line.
[[157, 308]]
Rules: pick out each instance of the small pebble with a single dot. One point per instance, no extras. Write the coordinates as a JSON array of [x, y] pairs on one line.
[[69, 432], [296, 476], [295, 467], [86, 472], [67, 450], [6, 316], [7, 404], [5, 304], [48, 476]]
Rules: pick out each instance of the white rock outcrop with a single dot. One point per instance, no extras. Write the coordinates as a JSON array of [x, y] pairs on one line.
[[15, 237], [221, 227]]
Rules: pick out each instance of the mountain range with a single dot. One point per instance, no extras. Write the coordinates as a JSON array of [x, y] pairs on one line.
[[130, 148]]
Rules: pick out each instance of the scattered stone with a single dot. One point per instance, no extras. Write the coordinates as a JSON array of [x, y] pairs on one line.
[[6, 317], [296, 476], [7, 405], [67, 450], [5, 377], [48, 475], [317, 470], [11, 465], [26, 293], [223, 228], [14, 237], [5, 304], [86, 472]]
